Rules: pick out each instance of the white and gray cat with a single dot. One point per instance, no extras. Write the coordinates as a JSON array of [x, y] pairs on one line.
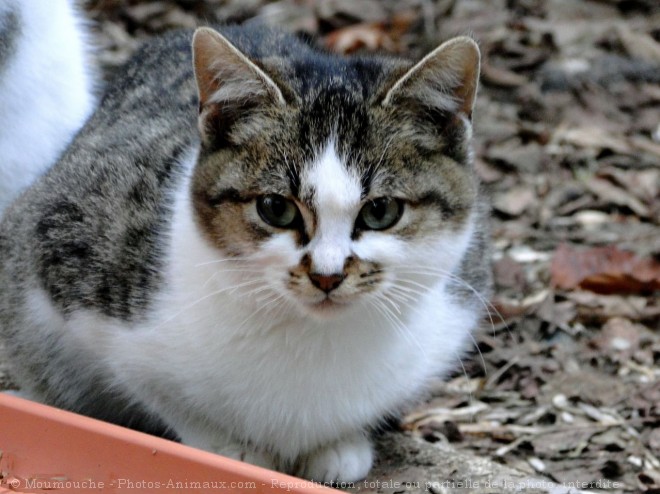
[[258, 247], [46, 87]]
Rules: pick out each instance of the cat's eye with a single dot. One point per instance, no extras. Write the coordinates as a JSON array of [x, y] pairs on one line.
[[277, 210], [380, 213]]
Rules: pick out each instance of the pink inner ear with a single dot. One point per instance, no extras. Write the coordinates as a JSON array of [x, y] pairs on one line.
[[446, 79], [230, 86], [205, 47], [225, 75]]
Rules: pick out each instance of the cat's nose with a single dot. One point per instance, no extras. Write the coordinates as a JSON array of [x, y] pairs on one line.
[[327, 283]]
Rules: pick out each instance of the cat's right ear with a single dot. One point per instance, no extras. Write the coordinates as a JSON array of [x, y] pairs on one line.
[[228, 83], [445, 80]]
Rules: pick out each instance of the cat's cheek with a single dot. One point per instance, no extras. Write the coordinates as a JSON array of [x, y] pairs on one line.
[[445, 251], [382, 248], [279, 251], [275, 258]]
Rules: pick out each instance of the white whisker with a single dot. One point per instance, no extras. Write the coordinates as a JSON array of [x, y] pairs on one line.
[[379, 304], [409, 305], [399, 296], [490, 308], [219, 261], [205, 297], [220, 271], [467, 378], [260, 308], [394, 305]]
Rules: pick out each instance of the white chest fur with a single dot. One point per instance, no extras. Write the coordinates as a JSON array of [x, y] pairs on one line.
[[217, 360]]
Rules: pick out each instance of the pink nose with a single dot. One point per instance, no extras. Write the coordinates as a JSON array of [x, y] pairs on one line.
[[327, 283]]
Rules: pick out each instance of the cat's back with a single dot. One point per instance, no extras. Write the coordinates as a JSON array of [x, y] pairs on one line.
[[142, 131], [92, 229], [89, 230]]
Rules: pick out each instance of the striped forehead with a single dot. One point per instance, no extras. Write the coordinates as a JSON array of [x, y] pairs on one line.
[[330, 185]]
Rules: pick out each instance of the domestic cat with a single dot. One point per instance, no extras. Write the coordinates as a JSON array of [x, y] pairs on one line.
[[46, 87], [257, 246]]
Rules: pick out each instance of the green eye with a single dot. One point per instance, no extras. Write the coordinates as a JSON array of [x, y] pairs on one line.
[[380, 213], [277, 210]]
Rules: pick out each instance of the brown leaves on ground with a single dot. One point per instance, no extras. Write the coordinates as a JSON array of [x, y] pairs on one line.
[[604, 270], [372, 36]]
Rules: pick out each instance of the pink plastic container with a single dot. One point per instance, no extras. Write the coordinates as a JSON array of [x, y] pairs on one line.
[[46, 450]]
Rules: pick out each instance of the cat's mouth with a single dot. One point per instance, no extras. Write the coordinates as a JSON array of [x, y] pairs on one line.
[[328, 306]]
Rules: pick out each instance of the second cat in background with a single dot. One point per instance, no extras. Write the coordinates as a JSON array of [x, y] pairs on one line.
[[46, 87]]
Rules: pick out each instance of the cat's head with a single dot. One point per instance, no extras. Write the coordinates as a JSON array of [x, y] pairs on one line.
[[331, 181]]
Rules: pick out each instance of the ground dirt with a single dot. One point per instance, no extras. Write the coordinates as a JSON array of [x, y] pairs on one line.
[[564, 384]]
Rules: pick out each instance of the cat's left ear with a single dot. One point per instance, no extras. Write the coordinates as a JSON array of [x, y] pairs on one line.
[[445, 80], [230, 85]]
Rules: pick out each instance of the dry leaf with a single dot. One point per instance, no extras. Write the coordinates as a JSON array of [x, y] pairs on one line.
[[362, 11], [639, 45], [593, 306], [499, 76], [654, 440], [515, 201], [604, 270], [620, 336], [370, 36], [508, 273], [593, 137], [644, 184], [610, 193], [507, 308], [558, 313], [559, 442]]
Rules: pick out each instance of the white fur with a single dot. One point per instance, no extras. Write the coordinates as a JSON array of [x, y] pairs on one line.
[[236, 367], [336, 194], [45, 91], [346, 460]]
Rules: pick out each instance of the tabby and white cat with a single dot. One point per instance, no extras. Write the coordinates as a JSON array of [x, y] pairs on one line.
[[46, 87], [268, 277]]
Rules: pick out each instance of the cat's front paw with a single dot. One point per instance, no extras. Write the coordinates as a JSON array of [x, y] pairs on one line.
[[347, 460]]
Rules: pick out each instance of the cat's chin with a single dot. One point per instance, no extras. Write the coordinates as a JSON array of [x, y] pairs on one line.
[[327, 308]]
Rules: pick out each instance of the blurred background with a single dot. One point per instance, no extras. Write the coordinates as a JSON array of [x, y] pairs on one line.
[[565, 381]]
